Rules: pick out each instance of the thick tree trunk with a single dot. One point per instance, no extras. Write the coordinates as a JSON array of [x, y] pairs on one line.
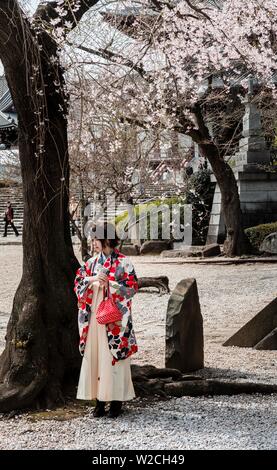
[[41, 353], [41, 342], [236, 243]]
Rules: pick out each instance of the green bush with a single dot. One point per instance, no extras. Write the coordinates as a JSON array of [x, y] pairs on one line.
[[200, 193], [257, 234]]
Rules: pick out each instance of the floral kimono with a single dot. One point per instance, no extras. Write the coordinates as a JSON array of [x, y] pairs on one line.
[[123, 285]]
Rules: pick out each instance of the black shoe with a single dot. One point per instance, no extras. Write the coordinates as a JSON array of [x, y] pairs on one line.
[[115, 409], [99, 410], [4, 235]]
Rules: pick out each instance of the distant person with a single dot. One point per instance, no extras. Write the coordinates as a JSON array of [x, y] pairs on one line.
[[8, 218]]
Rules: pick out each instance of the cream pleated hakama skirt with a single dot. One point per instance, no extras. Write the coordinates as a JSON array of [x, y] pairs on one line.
[[98, 377]]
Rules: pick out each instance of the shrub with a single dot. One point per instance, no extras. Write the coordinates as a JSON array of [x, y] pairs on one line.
[[200, 193], [257, 234]]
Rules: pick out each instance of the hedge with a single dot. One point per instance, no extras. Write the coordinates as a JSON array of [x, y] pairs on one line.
[[257, 234]]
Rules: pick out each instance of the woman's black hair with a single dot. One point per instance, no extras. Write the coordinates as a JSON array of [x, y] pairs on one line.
[[105, 232]]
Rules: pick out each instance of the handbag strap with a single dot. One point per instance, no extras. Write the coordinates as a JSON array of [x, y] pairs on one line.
[[106, 291], [93, 267], [108, 286]]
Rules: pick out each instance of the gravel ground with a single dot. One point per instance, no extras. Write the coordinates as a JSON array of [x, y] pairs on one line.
[[185, 423], [229, 295]]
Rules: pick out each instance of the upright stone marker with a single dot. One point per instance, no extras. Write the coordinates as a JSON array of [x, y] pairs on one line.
[[184, 328]]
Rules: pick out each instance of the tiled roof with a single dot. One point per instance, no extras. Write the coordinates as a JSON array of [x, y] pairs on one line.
[[3, 86], [5, 122], [6, 102], [8, 115]]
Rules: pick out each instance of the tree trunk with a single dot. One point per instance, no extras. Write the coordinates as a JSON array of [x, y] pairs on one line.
[[237, 242], [41, 342], [41, 353]]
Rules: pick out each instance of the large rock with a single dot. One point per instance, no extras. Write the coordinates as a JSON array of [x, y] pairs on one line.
[[269, 244], [269, 342], [199, 251], [155, 246], [184, 328], [130, 250], [259, 332], [211, 250], [186, 252]]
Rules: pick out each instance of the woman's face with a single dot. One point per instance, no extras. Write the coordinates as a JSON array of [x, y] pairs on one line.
[[97, 245]]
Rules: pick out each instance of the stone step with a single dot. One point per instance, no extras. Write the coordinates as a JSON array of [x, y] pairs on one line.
[[15, 208], [18, 219]]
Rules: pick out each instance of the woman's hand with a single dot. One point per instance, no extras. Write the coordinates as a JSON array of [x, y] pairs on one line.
[[91, 280], [112, 325], [103, 279]]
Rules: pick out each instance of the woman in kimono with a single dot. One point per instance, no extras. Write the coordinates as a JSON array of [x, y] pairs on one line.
[[106, 349]]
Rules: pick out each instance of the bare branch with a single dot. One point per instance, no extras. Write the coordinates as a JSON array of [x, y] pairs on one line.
[[74, 10], [118, 59], [198, 10]]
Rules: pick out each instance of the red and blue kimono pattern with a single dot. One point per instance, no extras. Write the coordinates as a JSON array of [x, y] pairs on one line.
[[123, 286]]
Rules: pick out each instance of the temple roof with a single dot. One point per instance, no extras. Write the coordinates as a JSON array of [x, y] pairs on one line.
[[3, 85], [125, 19], [8, 115]]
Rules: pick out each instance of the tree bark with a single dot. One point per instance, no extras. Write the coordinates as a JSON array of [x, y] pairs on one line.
[[41, 355], [237, 242]]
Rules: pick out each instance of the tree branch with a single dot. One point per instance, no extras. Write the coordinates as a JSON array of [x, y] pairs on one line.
[[72, 10], [200, 11], [115, 57]]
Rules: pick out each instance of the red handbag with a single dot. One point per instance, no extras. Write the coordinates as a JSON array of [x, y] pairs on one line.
[[107, 311]]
